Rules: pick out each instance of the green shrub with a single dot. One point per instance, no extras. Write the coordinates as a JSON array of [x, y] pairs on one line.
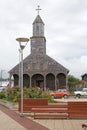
[[13, 94], [35, 92], [47, 95], [2, 95]]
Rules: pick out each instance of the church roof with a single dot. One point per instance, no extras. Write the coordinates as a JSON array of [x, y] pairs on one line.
[[38, 20], [47, 62]]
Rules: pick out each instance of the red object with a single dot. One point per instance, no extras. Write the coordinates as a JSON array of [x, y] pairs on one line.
[[60, 93]]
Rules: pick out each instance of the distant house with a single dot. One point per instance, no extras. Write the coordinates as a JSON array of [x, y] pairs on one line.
[[84, 77]]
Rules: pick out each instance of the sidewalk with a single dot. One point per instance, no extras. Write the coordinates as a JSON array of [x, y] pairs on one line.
[[10, 120], [62, 124], [7, 123]]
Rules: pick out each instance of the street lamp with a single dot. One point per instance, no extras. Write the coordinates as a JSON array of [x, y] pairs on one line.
[[22, 43]]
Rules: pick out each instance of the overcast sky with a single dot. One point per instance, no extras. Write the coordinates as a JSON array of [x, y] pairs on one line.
[[65, 31]]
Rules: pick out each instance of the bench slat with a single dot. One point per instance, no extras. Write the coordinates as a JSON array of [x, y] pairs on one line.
[[60, 110], [54, 115]]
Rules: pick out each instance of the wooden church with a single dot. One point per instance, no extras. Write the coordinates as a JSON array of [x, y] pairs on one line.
[[38, 68]]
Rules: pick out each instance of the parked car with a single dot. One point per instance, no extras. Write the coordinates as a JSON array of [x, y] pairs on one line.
[[60, 93], [83, 92]]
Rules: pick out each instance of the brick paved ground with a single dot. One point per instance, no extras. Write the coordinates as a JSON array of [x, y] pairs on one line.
[[10, 120]]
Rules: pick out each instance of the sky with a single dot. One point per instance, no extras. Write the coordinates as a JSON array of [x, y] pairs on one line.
[[65, 31]]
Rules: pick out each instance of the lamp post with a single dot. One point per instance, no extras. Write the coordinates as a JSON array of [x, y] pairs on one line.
[[22, 43]]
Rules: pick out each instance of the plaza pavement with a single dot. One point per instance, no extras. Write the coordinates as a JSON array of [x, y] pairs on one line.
[[10, 120]]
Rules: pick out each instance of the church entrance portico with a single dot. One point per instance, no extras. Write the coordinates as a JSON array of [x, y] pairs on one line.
[[49, 81]]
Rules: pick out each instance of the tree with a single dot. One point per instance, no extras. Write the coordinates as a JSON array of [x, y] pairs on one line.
[[72, 82]]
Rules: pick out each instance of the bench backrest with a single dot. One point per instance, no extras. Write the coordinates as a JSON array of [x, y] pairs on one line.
[[77, 109], [77, 105], [30, 102]]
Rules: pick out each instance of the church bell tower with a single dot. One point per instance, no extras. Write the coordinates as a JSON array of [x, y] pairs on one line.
[[38, 41]]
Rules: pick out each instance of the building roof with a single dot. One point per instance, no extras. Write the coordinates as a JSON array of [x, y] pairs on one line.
[[40, 64], [38, 20], [84, 75]]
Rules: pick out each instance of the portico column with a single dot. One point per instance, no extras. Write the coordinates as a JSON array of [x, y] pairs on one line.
[[30, 81], [55, 83], [44, 82], [66, 82]]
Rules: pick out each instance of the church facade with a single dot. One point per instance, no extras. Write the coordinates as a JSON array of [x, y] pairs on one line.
[[38, 68]]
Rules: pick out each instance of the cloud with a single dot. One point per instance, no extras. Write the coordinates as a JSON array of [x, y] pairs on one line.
[[76, 66]]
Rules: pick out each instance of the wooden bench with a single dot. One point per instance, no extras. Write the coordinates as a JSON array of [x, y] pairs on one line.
[[42, 109], [77, 109]]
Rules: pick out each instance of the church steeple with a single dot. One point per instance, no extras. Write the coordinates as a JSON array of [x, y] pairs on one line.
[[38, 20], [38, 41], [38, 26]]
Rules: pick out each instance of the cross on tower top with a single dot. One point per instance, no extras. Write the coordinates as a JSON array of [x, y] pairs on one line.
[[38, 9]]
